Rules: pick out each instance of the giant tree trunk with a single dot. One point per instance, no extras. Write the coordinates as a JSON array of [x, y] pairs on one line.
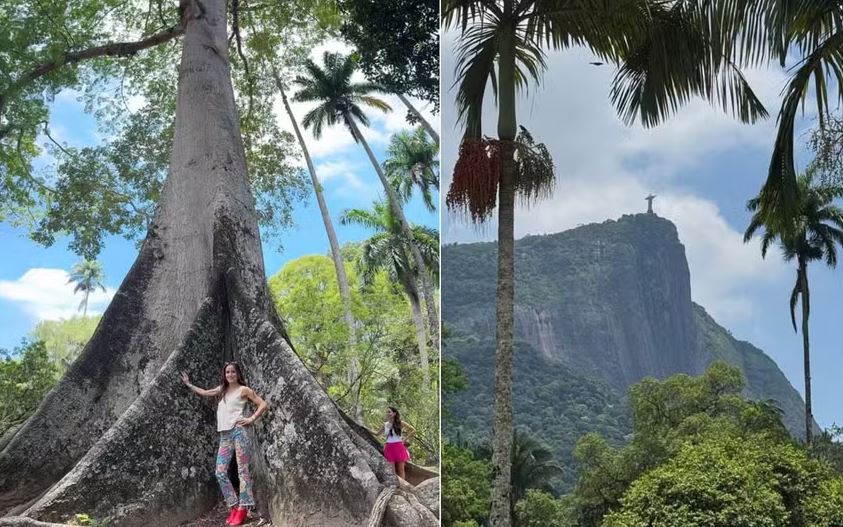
[[501, 491], [336, 255], [426, 125], [806, 349], [395, 204], [120, 438]]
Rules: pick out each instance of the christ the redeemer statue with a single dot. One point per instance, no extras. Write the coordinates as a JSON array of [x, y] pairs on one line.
[[650, 199]]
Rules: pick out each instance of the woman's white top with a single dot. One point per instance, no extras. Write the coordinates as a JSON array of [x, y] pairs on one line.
[[387, 428], [229, 409]]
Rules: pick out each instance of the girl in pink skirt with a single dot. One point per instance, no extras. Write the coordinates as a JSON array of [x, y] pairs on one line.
[[394, 450]]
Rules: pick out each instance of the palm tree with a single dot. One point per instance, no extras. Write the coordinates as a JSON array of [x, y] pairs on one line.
[[340, 101], [387, 250], [533, 467], [88, 276], [412, 163], [666, 51], [336, 255], [817, 229]]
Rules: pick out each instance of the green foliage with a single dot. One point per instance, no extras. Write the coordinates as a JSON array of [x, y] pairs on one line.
[[826, 143], [550, 399], [397, 43], [539, 509], [453, 377], [388, 250], [65, 339], [533, 466], [412, 162], [724, 481], [307, 297], [700, 455], [828, 446], [824, 507], [465, 486], [26, 375], [111, 187]]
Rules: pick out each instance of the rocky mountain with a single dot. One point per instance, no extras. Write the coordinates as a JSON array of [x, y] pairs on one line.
[[598, 308]]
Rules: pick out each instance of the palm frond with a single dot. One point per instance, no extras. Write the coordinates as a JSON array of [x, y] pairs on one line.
[[778, 196], [361, 217], [535, 178], [476, 55], [374, 102], [676, 60]]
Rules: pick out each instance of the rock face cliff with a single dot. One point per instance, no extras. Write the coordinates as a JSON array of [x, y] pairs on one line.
[[608, 302]]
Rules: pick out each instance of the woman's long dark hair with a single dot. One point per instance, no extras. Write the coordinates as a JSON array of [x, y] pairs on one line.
[[396, 422], [240, 378]]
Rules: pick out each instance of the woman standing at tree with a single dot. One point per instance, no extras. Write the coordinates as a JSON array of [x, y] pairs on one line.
[[231, 396], [394, 450]]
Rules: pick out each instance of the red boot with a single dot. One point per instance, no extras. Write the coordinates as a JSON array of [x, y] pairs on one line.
[[239, 516], [231, 515]]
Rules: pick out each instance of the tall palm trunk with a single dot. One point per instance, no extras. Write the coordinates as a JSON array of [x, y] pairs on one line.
[[342, 279], [806, 349], [395, 204], [430, 131], [85, 305], [501, 491], [415, 307]]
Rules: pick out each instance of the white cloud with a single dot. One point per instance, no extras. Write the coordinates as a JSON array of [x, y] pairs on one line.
[[45, 294], [344, 179]]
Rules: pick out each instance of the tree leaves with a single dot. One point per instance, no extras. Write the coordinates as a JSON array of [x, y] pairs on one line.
[[397, 43]]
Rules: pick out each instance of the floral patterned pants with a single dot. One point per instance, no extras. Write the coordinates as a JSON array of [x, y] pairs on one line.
[[235, 441]]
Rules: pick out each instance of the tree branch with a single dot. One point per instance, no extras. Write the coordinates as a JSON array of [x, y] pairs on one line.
[[114, 49]]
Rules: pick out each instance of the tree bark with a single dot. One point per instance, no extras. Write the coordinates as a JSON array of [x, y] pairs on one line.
[[806, 349], [501, 491], [119, 438], [430, 131], [395, 204], [336, 255], [415, 307]]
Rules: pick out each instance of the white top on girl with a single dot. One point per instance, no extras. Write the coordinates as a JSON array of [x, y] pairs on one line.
[[229, 409], [390, 438]]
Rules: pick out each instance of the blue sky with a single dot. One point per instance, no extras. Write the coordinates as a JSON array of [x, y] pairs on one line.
[[33, 280], [704, 166]]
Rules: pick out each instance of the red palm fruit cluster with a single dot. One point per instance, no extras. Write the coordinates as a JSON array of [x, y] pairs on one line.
[[474, 188]]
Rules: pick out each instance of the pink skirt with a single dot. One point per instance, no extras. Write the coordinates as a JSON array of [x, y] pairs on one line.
[[396, 453]]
